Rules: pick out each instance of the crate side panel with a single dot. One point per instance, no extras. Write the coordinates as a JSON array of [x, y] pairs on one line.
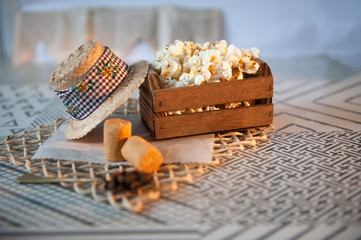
[[146, 95], [212, 94], [147, 115], [146, 112], [213, 121]]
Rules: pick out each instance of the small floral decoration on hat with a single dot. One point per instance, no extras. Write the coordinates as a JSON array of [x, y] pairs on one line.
[[73, 110], [108, 70], [82, 87]]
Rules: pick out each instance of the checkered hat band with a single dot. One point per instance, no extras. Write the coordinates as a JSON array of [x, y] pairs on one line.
[[102, 79]]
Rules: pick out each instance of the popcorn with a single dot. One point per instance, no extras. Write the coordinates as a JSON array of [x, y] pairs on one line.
[[246, 104], [198, 80], [157, 65], [182, 64], [188, 49], [233, 105], [206, 74], [224, 70], [179, 84], [190, 64], [171, 69], [211, 55], [236, 74], [176, 49], [193, 62], [234, 55], [206, 45], [174, 84], [251, 67], [188, 78], [222, 46]]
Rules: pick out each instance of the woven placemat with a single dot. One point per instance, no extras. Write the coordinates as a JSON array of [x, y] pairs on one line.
[[18, 149]]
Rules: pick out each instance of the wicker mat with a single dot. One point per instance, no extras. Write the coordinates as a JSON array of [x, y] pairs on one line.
[[18, 149]]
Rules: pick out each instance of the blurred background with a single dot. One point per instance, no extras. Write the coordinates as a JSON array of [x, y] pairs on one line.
[[38, 34]]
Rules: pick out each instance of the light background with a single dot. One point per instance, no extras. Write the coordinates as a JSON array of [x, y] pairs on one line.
[[279, 28]]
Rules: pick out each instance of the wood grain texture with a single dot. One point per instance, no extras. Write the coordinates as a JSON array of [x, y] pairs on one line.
[[257, 89], [153, 81], [147, 114], [212, 94], [213, 121]]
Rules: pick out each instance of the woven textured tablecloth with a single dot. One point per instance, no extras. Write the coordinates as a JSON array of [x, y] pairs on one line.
[[302, 183]]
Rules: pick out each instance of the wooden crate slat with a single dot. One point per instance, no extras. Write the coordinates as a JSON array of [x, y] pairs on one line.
[[212, 94], [147, 115], [213, 121], [147, 96]]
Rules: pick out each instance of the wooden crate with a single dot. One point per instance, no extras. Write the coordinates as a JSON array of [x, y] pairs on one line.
[[257, 89]]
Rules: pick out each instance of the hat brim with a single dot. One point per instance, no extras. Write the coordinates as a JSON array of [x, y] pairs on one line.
[[79, 128]]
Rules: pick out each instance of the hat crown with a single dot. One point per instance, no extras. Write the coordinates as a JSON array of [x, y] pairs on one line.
[[72, 70]]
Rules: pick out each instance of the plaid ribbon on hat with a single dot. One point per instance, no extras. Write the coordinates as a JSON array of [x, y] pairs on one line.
[[102, 79]]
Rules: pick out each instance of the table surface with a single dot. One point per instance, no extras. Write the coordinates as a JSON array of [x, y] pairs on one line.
[[304, 182]]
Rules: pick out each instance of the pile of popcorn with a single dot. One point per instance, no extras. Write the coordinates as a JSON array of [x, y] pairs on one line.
[[182, 64]]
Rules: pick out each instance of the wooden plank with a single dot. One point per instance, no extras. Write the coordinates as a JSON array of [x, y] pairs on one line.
[[213, 121], [152, 81], [144, 109], [147, 96], [147, 115], [144, 104], [146, 83], [213, 93]]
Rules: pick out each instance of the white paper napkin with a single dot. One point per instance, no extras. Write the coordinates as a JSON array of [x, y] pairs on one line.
[[90, 148]]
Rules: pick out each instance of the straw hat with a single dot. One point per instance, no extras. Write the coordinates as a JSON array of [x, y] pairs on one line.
[[79, 65]]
